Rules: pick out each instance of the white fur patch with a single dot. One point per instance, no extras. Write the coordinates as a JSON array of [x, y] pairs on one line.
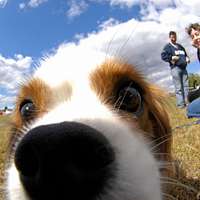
[[72, 64], [15, 188]]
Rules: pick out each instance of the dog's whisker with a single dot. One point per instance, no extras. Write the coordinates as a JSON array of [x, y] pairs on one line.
[[165, 164], [123, 97], [116, 106], [16, 137], [156, 153], [109, 44], [172, 181], [119, 102], [189, 188], [120, 49], [168, 196], [157, 145], [159, 138]]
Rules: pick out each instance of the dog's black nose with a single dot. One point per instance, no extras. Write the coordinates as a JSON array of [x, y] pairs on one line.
[[68, 160]]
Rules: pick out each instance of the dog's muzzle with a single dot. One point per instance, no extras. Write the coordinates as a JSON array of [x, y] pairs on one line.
[[68, 160]]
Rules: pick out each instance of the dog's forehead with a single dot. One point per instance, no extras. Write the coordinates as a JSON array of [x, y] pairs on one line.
[[74, 66], [74, 78]]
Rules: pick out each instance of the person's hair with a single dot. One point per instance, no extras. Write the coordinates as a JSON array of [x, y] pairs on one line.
[[172, 33], [195, 26]]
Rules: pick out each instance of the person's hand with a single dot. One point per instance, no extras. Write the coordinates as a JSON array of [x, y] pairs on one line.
[[175, 58], [187, 60]]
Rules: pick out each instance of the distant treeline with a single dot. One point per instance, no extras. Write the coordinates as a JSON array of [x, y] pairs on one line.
[[194, 80]]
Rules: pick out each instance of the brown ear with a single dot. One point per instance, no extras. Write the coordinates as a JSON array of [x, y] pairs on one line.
[[161, 131], [159, 124]]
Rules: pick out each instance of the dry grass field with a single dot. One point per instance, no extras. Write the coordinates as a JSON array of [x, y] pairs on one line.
[[185, 149], [4, 137], [186, 153]]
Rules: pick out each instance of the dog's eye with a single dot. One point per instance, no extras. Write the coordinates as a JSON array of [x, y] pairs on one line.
[[27, 109], [130, 99]]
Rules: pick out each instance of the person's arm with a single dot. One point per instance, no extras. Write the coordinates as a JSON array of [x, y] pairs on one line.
[[166, 54], [198, 54], [186, 55], [187, 59]]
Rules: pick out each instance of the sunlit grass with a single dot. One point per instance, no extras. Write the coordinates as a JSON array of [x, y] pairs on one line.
[[4, 137], [186, 152]]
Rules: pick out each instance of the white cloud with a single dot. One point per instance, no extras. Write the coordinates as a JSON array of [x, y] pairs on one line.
[[160, 3], [124, 3], [31, 4], [3, 3], [108, 23], [174, 13], [121, 3], [22, 6], [12, 73], [79, 36], [36, 3], [6, 101], [76, 8]]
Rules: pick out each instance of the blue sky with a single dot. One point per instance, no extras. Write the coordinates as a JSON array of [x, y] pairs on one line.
[[31, 29]]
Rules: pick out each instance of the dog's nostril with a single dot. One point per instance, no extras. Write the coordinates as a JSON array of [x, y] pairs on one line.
[[69, 159], [104, 156], [27, 161]]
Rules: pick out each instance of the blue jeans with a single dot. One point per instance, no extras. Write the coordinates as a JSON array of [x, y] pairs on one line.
[[180, 79]]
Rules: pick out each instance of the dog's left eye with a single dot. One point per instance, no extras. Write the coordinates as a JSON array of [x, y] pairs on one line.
[[27, 109], [130, 99]]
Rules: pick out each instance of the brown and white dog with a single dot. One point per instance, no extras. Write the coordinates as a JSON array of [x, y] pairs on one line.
[[85, 130]]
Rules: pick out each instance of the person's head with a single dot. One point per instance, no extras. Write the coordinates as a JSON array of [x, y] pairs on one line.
[[172, 36], [193, 31]]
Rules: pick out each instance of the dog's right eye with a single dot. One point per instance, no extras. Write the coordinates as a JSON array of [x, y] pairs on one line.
[[27, 109], [130, 98]]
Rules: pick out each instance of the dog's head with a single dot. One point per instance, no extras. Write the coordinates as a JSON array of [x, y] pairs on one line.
[[99, 132]]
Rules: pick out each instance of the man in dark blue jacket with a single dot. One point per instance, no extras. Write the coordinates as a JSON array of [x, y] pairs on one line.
[[176, 56]]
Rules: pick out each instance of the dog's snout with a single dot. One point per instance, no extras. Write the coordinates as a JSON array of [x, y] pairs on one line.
[[68, 160]]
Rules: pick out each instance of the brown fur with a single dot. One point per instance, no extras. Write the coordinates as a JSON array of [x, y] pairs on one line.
[[36, 91], [154, 121]]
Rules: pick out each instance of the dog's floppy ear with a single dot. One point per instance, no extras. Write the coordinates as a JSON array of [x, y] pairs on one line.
[[161, 130], [162, 139], [159, 123], [157, 116]]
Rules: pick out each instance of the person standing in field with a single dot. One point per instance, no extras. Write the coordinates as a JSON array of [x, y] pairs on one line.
[[175, 54]]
